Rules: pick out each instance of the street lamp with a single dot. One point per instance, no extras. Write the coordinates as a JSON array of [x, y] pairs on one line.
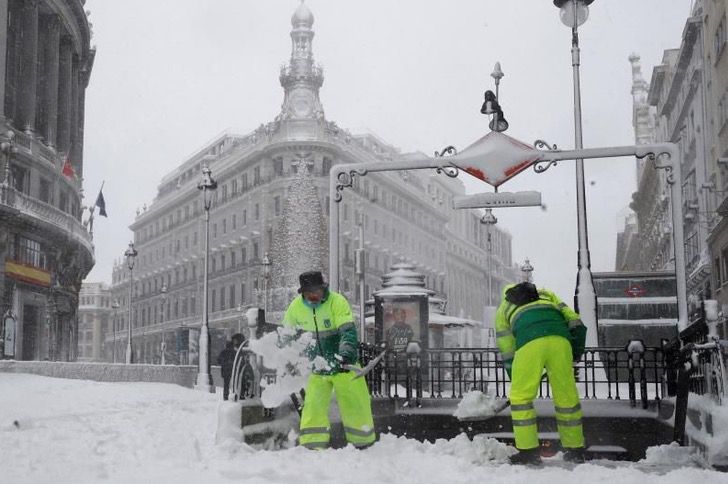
[[489, 220], [204, 380], [115, 306], [130, 255], [527, 269], [163, 346], [574, 13], [266, 276]]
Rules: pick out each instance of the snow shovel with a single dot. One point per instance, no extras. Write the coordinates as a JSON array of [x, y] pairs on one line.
[[360, 372], [502, 405]]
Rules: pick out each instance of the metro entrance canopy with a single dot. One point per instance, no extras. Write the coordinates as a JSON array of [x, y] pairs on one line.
[[498, 158]]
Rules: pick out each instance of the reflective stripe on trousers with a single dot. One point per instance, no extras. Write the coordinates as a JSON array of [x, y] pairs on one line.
[[554, 354]]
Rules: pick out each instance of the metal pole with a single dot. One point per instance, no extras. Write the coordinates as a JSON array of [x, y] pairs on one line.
[[128, 334], [204, 381], [585, 299], [360, 273]]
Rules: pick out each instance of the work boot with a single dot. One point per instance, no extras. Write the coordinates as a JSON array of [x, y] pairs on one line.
[[527, 457], [577, 455]]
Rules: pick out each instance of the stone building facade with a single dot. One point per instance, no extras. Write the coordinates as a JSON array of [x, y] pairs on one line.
[[94, 322], [45, 250], [271, 204], [689, 93]]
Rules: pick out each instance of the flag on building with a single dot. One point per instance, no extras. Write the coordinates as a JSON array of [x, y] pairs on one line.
[[68, 171], [101, 203]]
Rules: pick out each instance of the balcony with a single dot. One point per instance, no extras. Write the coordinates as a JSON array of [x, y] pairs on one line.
[[22, 205]]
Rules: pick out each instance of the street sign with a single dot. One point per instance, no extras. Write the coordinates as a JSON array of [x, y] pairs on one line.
[[495, 158], [635, 290], [498, 200]]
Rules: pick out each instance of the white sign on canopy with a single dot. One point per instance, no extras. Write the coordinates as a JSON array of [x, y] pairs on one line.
[[495, 158]]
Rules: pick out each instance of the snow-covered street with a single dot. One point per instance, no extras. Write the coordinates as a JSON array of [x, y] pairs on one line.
[[76, 431]]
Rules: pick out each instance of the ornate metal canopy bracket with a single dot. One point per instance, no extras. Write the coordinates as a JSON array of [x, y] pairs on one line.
[[449, 170], [670, 176], [346, 180], [542, 166]]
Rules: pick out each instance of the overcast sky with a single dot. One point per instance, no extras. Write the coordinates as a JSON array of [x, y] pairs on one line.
[[170, 75]]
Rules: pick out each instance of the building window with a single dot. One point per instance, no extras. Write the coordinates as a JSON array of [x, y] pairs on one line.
[[277, 205], [224, 226], [326, 165], [243, 255], [235, 221], [45, 191], [232, 259], [245, 217], [256, 175], [213, 297], [20, 178], [244, 182], [257, 211], [63, 201], [222, 299], [30, 252], [278, 166], [231, 298], [719, 39], [255, 250]]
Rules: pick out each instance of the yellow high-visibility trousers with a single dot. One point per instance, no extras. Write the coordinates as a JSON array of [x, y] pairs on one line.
[[554, 354], [355, 406]]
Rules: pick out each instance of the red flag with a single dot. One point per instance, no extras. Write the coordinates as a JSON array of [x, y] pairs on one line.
[[68, 169]]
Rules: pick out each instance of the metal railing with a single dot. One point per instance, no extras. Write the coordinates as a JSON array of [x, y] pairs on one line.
[[602, 373], [449, 373]]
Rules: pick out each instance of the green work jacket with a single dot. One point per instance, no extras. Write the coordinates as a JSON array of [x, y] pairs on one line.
[[517, 325], [331, 324]]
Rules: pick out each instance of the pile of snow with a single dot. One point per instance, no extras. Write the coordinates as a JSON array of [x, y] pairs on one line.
[[476, 404], [672, 454], [77, 431], [284, 352]]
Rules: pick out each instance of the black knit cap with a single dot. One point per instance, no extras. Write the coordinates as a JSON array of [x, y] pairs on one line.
[[311, 281]]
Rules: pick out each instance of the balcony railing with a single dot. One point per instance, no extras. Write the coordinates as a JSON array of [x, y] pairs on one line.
[[30, 207]]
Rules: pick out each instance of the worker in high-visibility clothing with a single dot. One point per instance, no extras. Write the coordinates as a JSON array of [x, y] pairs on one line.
[[327, 316], [535, 330]]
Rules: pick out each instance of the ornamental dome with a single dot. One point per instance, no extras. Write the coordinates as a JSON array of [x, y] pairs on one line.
[[302, 17]]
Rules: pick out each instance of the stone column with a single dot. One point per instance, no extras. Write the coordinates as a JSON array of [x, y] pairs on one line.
[[3, 52], [64, 96], [73, 128], [50, 86], [28, 65], [81, 110]]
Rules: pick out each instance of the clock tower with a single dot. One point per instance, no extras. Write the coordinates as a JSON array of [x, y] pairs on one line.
[[301, 112]]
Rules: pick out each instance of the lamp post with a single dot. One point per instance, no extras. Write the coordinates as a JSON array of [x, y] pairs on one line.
[[130, 255], [266, 279], [115, 307], [527, 269], [163, 345], [489, 220], [204, 380], [573, 14]]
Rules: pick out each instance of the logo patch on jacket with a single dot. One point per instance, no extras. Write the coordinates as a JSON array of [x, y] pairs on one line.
[[327, 323]]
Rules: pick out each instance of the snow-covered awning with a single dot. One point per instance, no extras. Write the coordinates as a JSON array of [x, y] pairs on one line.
[[441, 320]]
